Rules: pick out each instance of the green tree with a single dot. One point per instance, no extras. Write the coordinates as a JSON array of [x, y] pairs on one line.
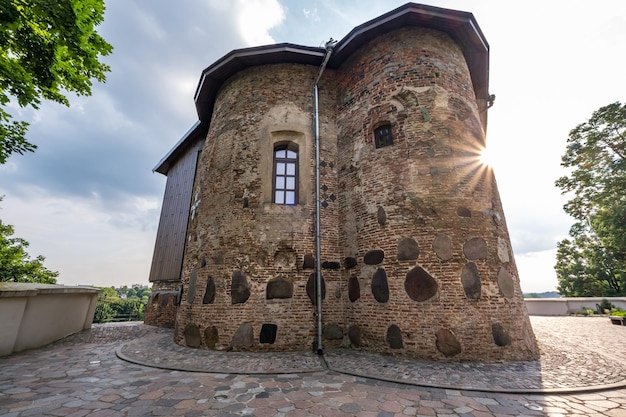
[[593, 261], [15, 263], [47, 48]]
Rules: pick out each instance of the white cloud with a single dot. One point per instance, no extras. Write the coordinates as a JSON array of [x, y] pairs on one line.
[[255, 18]]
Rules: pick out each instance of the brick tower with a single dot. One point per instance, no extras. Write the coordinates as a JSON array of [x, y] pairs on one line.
[[415, 253]]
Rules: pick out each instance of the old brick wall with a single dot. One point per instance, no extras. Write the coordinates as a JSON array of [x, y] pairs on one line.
[[163, 304], [415, 251], [239, 243], [447, 286]]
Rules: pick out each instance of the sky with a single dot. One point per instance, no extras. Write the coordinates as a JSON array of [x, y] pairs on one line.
[[88, 200]]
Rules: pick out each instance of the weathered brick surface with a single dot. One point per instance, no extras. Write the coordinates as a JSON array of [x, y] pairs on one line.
[[429, 184], [162, 305]]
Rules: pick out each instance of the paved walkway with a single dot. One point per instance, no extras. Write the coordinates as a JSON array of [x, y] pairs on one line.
[[84, 375]]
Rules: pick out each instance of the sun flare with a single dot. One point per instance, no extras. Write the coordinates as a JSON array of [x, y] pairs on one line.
[[487, 157]]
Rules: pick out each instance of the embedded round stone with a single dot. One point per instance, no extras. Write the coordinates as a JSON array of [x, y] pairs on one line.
[[463, 211], [191, 291], [243, 338], [279, 288], [442, 245], [209, 292], [349, 262], [332, 332], [447, 343], [211, 337], [354, 288], [268, 333], [239, 288], [505, 283], [192, 335], [471, 281], [475, 248], [354, 335], [374, 257], [394, 337], [331, 265], [381, 216], [420, 285], [380, 286], [500, 336], [309, 261], [310, 289], [503, 250], [408, 249]]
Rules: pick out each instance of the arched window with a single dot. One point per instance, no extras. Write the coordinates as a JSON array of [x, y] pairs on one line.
[[285, 186], [382, 136]]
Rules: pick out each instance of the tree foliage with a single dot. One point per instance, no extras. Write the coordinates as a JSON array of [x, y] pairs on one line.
[[48, 48], [593, 261], [15, 263]]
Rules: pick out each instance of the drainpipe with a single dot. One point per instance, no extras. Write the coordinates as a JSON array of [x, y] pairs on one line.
[[318, 255]]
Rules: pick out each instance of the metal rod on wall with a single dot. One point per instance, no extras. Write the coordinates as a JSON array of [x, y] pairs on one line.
[[318, 251]]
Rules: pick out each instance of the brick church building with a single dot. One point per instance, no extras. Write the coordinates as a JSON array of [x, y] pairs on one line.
[[334, 197]]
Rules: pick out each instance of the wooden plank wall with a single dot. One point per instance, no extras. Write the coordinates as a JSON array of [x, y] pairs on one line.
[[169, 247]]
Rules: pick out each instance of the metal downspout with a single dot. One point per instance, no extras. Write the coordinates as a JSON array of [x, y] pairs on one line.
[[318, 251]]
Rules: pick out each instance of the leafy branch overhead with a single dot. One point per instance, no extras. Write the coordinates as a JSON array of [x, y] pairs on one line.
[[593, 262], [48, 48]]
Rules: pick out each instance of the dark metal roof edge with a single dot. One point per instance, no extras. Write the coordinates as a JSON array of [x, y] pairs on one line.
[[164, 164], [264, 51]]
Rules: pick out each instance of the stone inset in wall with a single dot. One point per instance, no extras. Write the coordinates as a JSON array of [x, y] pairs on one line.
[[420, 285], [243, 337], [380, 286], [408, 249], [505, 283], [503, 251], [331, 265], [279, 288], [463, 211], [381, 216], [354, 335], [374, 257], [447, 343], [239, 289], [475, 248], [209, 293], [442, 245], [332, 332], [500, 336], [471, 281], [268, 333], [354, 288], [191, 291], [310, 288], [192, 335], [394, 337], [211, 337], [349, 262], [309, 261]]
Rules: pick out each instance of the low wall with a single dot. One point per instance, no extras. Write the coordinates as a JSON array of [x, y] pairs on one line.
[[565, 306], [34, 315]]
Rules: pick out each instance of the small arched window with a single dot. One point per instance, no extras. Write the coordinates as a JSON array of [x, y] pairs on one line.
[[382, 136], [285, 187]]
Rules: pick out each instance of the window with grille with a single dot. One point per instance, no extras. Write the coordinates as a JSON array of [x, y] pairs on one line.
[[286, 174], [382, 136]]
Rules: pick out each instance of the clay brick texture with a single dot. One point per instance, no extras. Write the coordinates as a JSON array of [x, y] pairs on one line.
[[417, 255]]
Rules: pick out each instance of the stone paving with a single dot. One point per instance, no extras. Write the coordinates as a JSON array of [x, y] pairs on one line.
[[82, 376]]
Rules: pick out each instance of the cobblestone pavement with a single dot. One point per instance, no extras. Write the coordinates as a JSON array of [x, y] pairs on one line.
[[82, 376]]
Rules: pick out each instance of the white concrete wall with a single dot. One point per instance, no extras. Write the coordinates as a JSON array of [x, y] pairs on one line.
[[565, 306], [33, 315]]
